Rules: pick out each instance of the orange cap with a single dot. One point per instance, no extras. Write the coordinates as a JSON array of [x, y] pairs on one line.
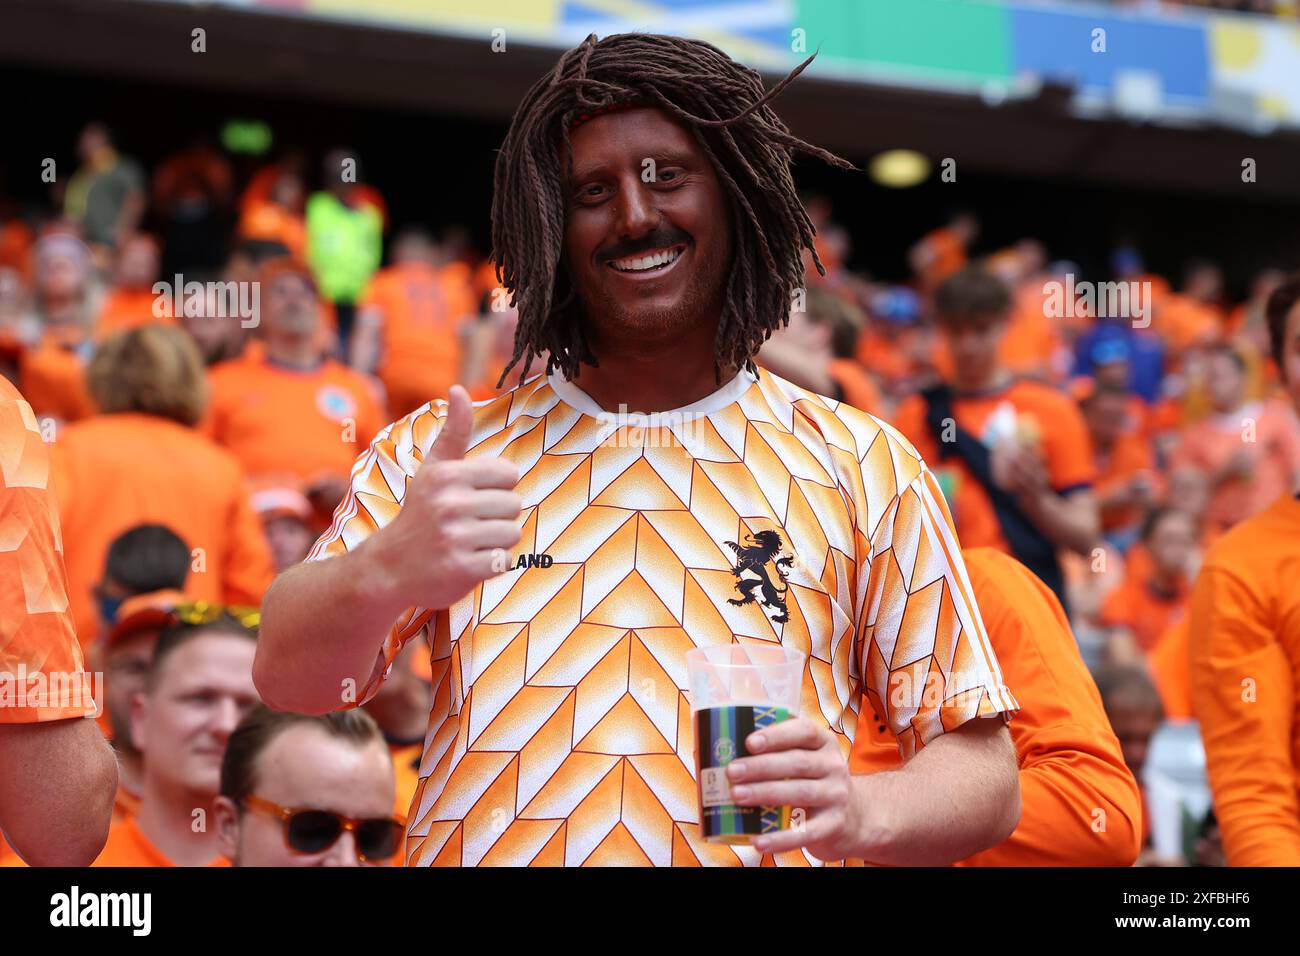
[[142, 611]]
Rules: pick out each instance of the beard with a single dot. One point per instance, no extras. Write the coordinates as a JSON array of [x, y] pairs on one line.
[[610, 322]]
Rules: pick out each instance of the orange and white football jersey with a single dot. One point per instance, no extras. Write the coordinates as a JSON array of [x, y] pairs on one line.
[[560, 732], [42, 673]]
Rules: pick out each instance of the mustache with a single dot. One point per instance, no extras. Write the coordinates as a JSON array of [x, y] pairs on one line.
[[661, 238]]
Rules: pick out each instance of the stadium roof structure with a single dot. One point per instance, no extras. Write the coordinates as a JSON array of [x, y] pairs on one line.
[[1053, 90]]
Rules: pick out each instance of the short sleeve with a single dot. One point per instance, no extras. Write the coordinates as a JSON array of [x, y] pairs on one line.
[[1071, 765], [42, 676], [926, 660], [376, 490]]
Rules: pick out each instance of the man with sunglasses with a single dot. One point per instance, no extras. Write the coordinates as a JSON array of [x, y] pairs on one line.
[[307, 791]]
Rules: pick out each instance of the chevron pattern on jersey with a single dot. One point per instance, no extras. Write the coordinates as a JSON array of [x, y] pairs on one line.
[[560, 732]]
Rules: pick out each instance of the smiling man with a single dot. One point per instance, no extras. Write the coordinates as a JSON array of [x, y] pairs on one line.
[[307, 791], [646, 222], [198, 688]]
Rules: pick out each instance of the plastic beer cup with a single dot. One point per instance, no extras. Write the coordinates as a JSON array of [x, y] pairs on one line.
[[737, 689]]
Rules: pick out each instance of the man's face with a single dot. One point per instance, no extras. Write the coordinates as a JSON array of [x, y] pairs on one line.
[[1107, 417], [61, 276], [415, 249], [647, 258], [1224, 382], [290, 306], [1172, 542], [1190, 489], [1113, 373], [90, 142], [137, 264], [1133, 726], [287, 191], [290, 540], [126, 665], [182, 724], [1291, 355], [1205, 284], [973, 345], [306, 768], [213, 332], [1032, 255]]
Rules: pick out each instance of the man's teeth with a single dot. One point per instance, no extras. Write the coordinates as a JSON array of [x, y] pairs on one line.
[[640, 263]]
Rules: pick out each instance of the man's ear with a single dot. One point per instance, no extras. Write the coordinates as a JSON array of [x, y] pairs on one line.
[[226, 817]]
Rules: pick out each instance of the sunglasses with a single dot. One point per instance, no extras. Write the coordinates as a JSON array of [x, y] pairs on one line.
[[205, 612], [315, 831]]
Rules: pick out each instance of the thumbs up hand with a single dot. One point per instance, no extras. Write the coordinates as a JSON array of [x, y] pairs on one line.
[[457, 520]]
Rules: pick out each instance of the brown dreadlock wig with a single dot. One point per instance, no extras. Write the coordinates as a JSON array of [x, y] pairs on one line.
[[723, 103]]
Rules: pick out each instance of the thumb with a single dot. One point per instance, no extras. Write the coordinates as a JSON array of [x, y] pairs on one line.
[[453, 441]]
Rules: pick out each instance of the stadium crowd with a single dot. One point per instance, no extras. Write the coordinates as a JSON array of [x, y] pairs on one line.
[[207, 355]]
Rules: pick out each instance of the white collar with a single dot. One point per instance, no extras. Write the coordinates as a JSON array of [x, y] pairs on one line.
[[572, 395]]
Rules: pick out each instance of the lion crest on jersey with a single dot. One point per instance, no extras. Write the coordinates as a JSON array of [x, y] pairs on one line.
[[763, 550]]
